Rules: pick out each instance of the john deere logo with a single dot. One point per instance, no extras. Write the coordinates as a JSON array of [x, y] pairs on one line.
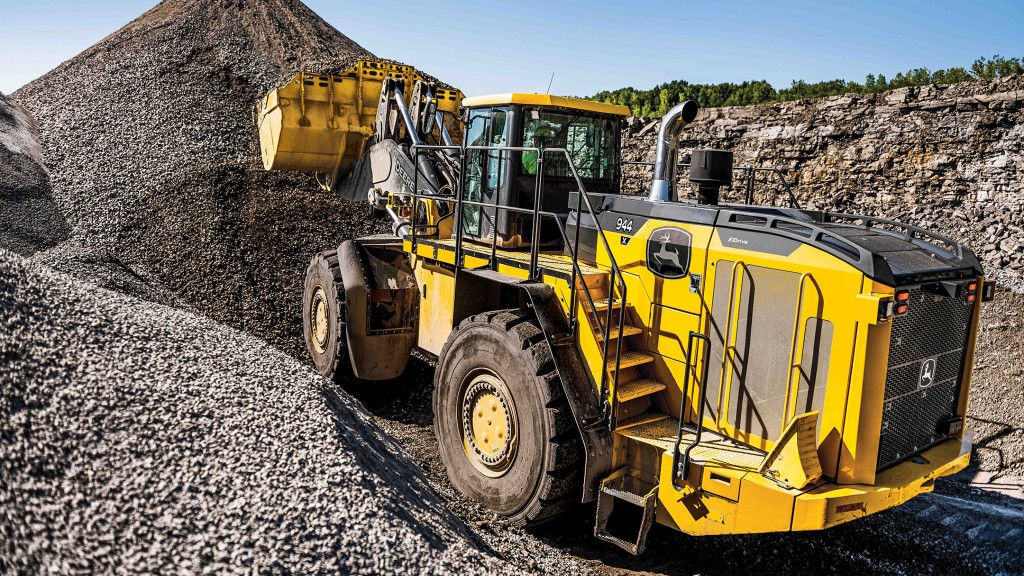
[[927, 373], [668, 252]]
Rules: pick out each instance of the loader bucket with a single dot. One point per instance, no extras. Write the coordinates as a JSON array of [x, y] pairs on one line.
[[320, 122]]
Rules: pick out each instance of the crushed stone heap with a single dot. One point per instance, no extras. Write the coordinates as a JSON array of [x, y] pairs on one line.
[[29, 219], [138, 437], [153, 156]]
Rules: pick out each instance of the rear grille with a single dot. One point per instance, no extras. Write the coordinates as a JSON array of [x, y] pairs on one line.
[[935, 328]]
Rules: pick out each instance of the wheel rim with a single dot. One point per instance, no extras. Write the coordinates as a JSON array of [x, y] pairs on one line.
[[489, 424], [319, 317]]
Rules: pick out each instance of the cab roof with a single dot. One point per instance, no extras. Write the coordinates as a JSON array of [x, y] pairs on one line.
[[546, 100]]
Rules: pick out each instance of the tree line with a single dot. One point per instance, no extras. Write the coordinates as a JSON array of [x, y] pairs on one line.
[[658, 100]]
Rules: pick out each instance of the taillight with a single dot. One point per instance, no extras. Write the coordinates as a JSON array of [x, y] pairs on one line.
[[901, 308], [903, 295], [972, 292]]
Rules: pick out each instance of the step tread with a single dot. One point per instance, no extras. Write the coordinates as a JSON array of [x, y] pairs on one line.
[[714, 448], [627, 329], [625, 495], [624, 544], [601, 304], [629, 358], [641, 419], [637, 388]]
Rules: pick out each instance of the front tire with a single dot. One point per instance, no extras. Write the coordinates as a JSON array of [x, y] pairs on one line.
[[323, 319], [504, 428]]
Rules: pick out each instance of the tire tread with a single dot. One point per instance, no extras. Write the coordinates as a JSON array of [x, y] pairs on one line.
[[560, 484]]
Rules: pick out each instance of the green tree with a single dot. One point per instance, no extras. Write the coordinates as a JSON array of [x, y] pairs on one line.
[[662, 98]]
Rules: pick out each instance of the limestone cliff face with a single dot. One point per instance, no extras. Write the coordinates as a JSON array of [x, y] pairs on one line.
[[947, 158]]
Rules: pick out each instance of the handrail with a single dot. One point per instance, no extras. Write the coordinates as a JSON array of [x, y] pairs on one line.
[[604, 391], [749, 177], [728, 343], [551, 215], [677, 467], [793, 363], [622, 283], [911, 230]]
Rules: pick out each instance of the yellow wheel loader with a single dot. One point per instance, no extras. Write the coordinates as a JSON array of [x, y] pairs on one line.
[[716, 368]]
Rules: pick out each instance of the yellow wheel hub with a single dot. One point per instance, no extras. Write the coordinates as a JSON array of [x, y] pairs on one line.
[[489, 425], [319, 318]]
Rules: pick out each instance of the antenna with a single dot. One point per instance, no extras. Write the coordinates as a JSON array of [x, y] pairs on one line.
[[549, 83]]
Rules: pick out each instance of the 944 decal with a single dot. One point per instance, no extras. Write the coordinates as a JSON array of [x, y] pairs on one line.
[[624, 224]]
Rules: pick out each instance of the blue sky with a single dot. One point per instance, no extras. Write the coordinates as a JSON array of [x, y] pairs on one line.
[[486, 47]]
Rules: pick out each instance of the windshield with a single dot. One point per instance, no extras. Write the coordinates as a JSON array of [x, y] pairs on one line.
[[590, 140]]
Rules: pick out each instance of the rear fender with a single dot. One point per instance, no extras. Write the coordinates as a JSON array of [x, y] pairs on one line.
[[381, 306]]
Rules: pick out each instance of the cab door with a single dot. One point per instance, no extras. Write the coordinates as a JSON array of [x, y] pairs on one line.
[[486, 170]]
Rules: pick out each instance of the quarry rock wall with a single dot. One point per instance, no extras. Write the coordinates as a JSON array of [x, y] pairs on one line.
[[947, 158]]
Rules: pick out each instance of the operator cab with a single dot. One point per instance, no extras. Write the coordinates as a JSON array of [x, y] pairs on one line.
[[588, 131]]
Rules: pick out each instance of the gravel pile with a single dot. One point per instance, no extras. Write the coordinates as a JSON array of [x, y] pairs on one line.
[[153, 156], [29, 219], [139, 437]]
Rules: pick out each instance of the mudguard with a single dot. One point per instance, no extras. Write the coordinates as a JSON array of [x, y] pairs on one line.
[[381, 306]]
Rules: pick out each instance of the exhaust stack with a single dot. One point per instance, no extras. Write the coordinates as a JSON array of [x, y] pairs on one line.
[[663, 188]]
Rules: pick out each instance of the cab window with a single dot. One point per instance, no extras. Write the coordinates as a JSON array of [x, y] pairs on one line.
[[590, 140]]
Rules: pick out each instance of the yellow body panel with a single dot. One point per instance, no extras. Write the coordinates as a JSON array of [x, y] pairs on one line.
[[438, 289], [726, 491], [320, 122], [829, 504], [764, 506], [545, 100]]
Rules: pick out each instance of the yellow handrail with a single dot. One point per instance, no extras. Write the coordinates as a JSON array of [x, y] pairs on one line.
[[793, 362], [729, 341]]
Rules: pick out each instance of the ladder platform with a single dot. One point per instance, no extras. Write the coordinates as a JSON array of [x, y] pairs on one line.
[[550, 262], [627, 331], [628, 359], [623, 486], [638, 388], [713, 448], [623, 494], [626, 545]]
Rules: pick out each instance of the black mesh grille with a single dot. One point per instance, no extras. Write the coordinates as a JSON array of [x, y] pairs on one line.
[[934, 332]]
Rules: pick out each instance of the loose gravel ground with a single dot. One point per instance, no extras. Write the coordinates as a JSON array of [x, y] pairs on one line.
[[137, 437]]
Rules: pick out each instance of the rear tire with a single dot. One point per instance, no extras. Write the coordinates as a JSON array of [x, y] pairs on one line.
[[323, 314], [500, 361]]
